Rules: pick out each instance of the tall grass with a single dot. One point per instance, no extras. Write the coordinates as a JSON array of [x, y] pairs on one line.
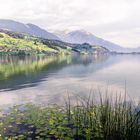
[[108, 119]]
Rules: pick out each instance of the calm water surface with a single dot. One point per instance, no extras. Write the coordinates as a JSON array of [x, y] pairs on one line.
[[48, 79]]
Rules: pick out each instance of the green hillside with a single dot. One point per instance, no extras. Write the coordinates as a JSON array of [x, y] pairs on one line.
[[13, 43], [16, 43]]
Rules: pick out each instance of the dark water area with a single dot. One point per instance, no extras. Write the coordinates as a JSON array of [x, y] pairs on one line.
[[48, 79]]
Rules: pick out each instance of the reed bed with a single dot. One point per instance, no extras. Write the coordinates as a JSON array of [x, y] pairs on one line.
[[106, 120]]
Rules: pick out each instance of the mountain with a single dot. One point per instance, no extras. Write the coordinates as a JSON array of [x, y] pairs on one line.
[[26, 28], [81, 36]]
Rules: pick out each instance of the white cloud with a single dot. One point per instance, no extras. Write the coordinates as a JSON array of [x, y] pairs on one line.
[[115, 20]]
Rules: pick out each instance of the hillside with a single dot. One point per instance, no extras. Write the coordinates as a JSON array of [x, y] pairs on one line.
[[17, 43], [26, 28], [22, 44]]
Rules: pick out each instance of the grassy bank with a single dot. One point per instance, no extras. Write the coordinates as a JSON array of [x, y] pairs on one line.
[[107, 120]]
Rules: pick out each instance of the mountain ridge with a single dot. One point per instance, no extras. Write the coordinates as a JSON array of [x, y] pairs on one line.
[[81, 36], [74, 37], [29, 28]]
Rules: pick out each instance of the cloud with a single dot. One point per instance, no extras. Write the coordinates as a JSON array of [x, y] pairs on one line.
[[115, 20]]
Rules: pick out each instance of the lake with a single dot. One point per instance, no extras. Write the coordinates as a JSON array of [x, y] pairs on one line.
[[46, 80]]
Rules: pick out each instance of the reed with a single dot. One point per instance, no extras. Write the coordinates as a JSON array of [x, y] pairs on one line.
[[108, 119]]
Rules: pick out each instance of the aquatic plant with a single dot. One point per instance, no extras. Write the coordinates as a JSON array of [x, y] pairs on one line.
[[87, 120]]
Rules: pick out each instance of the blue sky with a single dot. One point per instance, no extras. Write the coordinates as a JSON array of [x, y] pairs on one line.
[[115, 20]]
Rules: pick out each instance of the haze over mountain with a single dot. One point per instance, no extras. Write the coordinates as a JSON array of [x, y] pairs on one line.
[[81, 36], [26, 28]]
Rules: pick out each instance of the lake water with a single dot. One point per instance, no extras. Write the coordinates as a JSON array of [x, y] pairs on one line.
[[50, 79]]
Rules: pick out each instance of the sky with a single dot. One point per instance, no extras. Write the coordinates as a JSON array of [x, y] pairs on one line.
[[114, 20]]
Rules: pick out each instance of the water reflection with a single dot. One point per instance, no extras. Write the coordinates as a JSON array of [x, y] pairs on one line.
[[48, 79], [27, 71], [18, 72]]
